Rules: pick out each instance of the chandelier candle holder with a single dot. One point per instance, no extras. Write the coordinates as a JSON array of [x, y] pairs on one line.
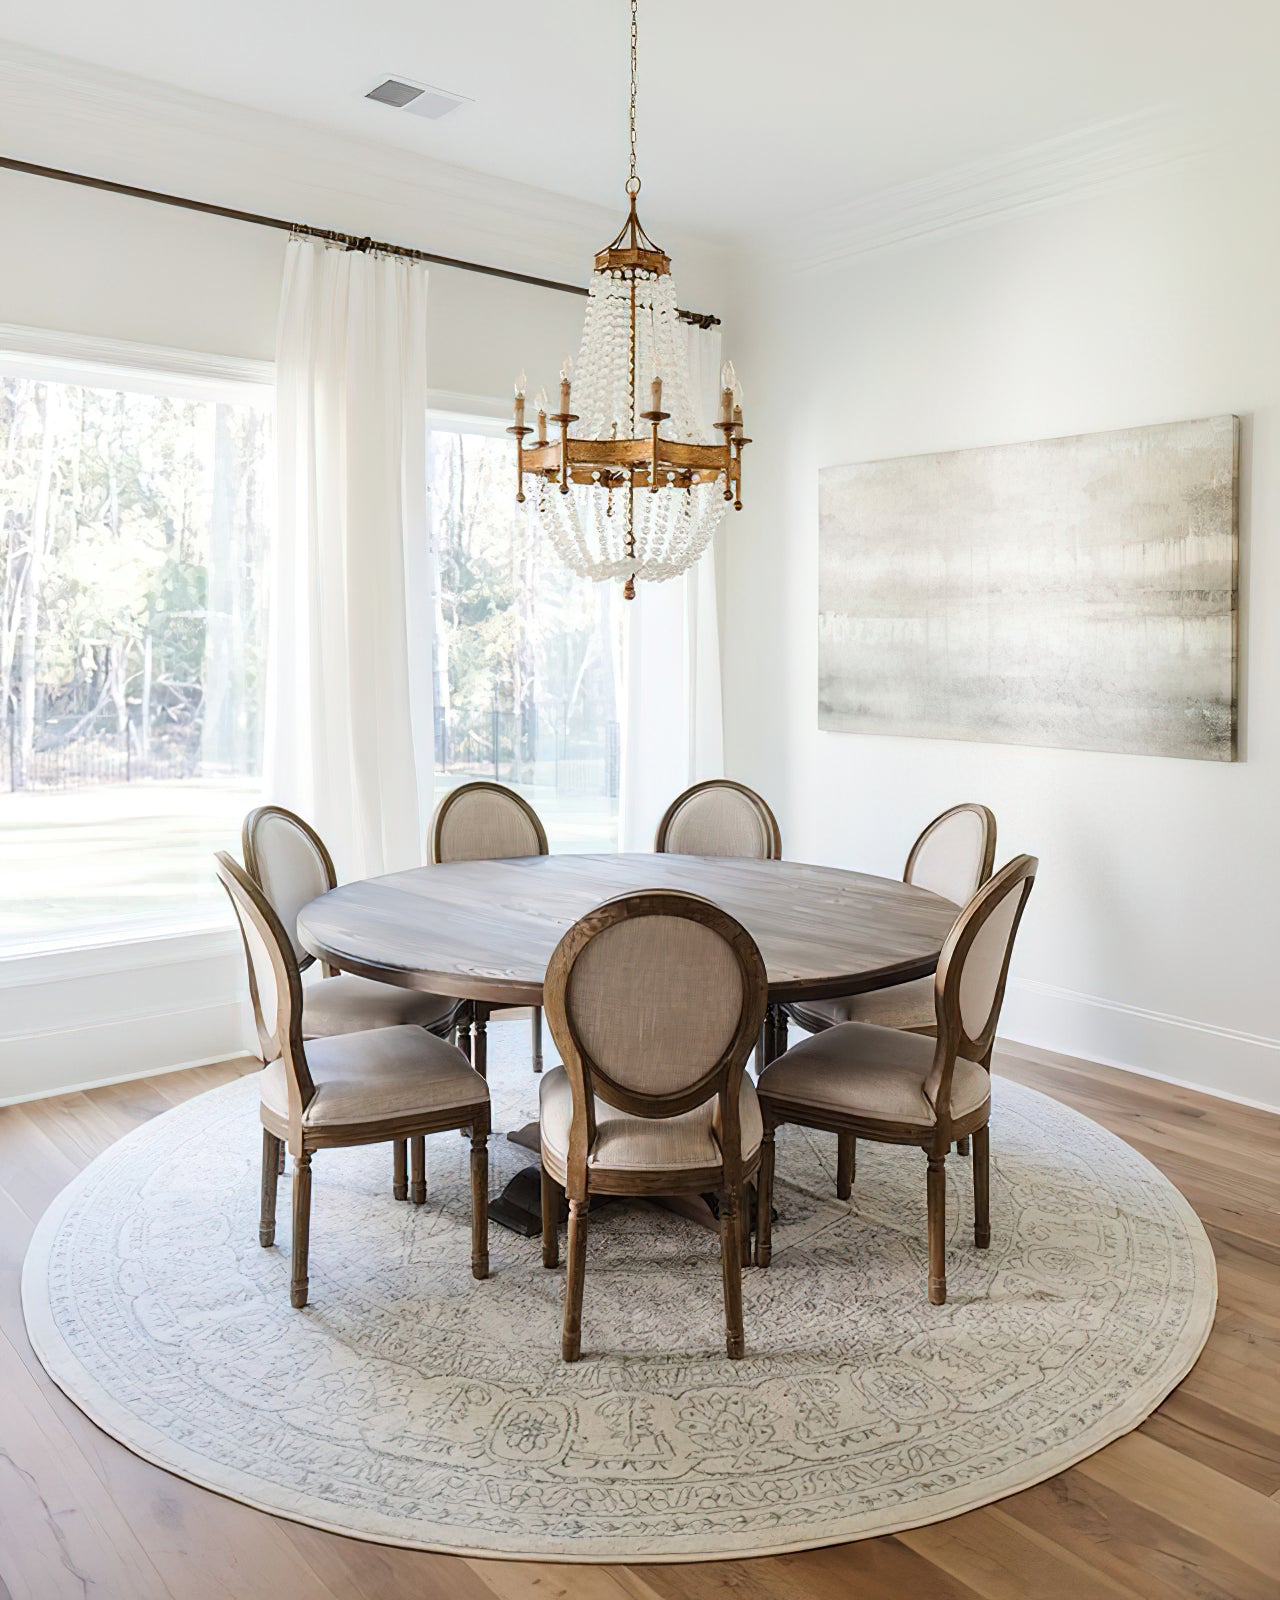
[[632, 494]]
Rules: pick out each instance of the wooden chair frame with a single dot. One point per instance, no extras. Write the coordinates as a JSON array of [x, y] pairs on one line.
[[759, 804], [952, 1041], [816, 1022], [476, 1013], [588, 1079], [446, 1028], [289, 1132]]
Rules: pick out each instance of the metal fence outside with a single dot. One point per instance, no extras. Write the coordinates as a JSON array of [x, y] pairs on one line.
[[67, 754], [530, 747]]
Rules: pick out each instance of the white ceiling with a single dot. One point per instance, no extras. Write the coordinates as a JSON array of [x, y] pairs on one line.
[[749, 113]]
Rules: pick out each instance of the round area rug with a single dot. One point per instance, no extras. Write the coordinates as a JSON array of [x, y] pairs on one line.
[[411, 1405]]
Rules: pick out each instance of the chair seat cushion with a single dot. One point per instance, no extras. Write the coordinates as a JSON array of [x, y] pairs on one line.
[[644, 1144], [876, 1074], [347, 1004], [905, 1005], [371, 1077]]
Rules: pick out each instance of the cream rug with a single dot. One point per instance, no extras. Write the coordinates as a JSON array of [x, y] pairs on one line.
[[412, 1405]]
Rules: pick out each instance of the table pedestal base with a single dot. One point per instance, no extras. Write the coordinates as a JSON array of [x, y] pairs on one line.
[[519, 1206]]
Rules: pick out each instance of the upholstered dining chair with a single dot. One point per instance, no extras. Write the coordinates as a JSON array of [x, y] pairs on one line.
[[719, 818], [387, 1085], [291, 864], [897, 1087], [655, 1000], [953, 858], [488, 822]]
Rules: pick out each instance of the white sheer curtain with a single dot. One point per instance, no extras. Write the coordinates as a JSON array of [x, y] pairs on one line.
[[351, 401], [672, 729]]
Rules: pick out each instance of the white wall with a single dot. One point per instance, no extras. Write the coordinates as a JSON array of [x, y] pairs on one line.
[[75, 260], [1153, 934]]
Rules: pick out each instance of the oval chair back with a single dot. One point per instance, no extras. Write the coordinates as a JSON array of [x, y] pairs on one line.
[[655, 1000], [954, 855], [720, 818], [287, 859], [485, 822], [275, 985], [972, 971]]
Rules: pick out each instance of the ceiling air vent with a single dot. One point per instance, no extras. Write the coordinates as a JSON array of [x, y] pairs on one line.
[[419, 98]]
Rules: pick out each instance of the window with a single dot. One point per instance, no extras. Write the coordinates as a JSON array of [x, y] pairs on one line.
[[526, 676], [134, 518]]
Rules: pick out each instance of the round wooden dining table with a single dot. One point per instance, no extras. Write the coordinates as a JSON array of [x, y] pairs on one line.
[[485, 930]]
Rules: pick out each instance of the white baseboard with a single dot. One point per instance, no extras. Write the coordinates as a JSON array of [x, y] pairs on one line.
[[1227, 1062], [77, 1019], [128, 1077]]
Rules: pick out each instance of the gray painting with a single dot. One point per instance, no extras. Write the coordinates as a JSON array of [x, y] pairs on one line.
[[1070, 592]]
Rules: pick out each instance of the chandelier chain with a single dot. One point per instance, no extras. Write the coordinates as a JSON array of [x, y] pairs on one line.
[[635, 33]]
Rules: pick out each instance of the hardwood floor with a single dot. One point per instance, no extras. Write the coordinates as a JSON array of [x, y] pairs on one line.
[[1187, 1505]]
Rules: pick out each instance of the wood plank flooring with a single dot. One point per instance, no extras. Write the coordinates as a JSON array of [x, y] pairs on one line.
[[1187, 1505]]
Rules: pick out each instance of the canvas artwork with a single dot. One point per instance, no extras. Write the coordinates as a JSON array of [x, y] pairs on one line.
[[1077, 592]]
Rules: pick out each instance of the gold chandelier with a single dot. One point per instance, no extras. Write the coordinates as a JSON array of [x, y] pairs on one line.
[[632, 494]]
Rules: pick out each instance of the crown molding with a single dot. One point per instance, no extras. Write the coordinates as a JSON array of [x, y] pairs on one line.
[[1086, 161], [59, 112]]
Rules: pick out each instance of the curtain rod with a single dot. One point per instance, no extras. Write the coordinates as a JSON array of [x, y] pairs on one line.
[[701, 319]]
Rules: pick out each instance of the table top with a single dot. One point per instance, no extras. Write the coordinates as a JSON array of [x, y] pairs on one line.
[[485, 930]]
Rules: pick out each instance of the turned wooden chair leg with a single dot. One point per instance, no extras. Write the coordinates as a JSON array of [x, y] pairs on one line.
[[301, 1228], [272, 1150], [764, 1200], [480, 1200], [480, 1043], [846, 1164], [535, 1029], [571, 1337], [731, 1271], [937, 1203], [463, 1035], [982, 1187], [399, 1169], [744, 1226], [418, 1169], [550, 1220], [280, 1160], [962, 1146]]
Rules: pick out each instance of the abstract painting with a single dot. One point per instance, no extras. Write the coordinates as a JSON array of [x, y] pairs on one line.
[[1079, 593]]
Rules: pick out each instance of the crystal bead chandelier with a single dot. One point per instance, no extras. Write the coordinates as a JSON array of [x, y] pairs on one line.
[[631, 493]]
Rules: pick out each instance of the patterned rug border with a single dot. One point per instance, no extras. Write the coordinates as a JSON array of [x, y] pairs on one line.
[[84, 1391]]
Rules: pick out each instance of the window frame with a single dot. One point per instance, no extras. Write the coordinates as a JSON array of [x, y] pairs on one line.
[[51, 355]]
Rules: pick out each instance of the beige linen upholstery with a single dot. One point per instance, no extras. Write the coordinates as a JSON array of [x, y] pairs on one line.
[[905, 1005], [719, 818], [390, 1085], [862, 1071], [288, 861], [486, 823], [860, 1081], [642, 1144], [656, 1000], [659, 1048], [952, 857], [371, 1077], [290, 864], [348, 1004]]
